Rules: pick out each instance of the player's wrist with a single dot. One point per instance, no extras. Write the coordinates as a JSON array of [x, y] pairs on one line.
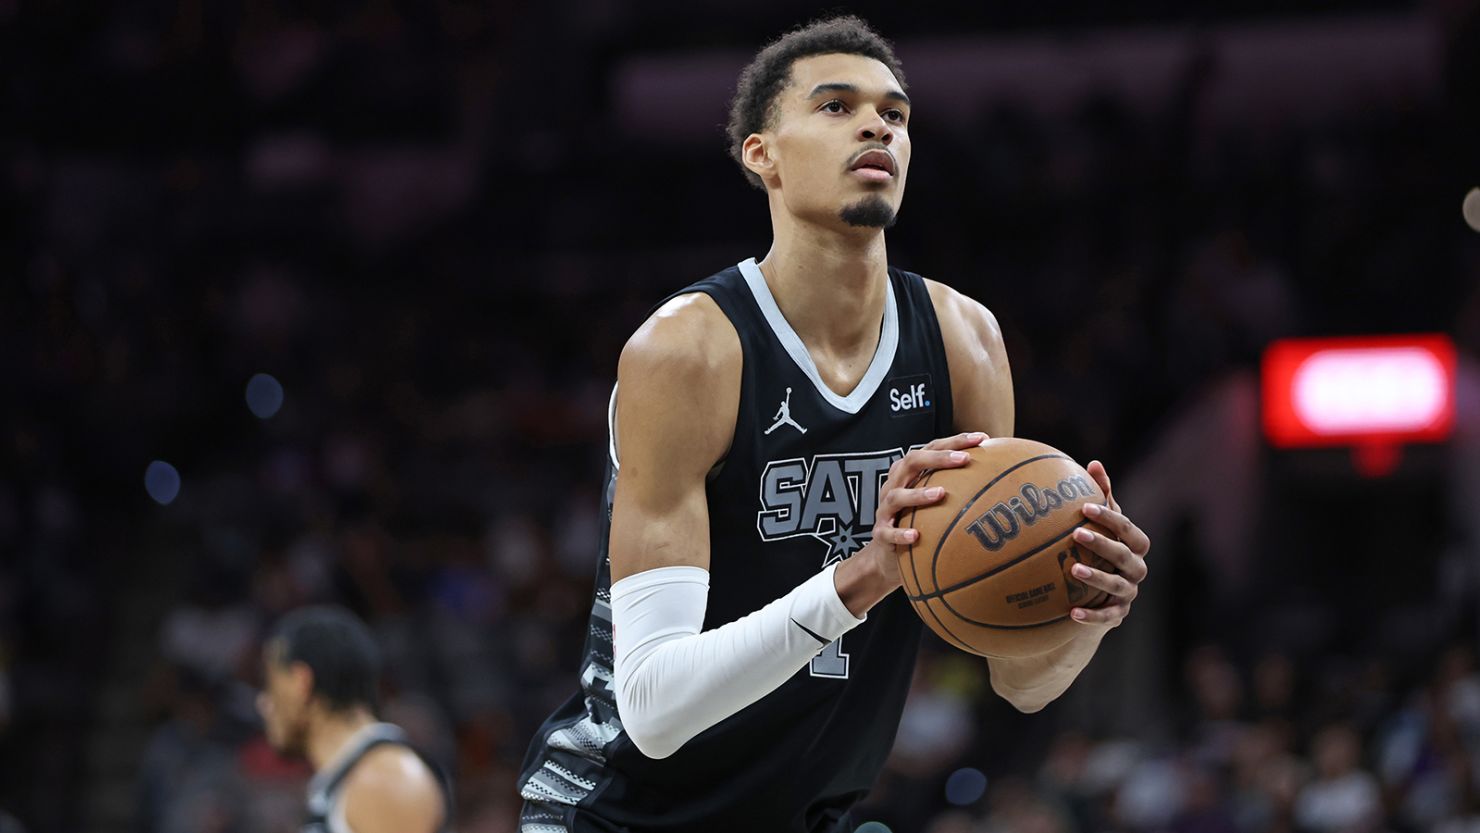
[[863, 582]]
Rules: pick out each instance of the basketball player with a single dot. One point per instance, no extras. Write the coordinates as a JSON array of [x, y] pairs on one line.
[[748, 657], [321, 670]]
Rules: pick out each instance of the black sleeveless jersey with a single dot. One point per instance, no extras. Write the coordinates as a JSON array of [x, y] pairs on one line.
[[325, 808], [797, 491]]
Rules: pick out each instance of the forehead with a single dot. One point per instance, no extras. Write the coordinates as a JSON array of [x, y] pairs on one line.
[[869, 75]]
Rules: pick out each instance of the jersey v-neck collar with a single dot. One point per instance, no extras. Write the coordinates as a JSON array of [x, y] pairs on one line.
[[877, 369]]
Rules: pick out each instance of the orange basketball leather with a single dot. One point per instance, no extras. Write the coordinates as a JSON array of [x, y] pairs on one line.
[[990, 571]]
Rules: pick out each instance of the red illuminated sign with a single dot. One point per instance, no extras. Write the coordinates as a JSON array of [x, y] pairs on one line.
[[1368, 391]]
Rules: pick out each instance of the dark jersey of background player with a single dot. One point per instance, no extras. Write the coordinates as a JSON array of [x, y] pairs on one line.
[[766, 425], [796, 492], [321, 674]]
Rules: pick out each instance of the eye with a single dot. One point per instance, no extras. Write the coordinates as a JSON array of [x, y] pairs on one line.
[[896, 116], [834, 106]]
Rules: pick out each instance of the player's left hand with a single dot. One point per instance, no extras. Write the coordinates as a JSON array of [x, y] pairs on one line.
[[1126, 551]]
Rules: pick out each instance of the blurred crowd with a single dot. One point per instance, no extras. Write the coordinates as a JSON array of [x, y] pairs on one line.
[[1325, 744], [420, 220], [1268, 743]]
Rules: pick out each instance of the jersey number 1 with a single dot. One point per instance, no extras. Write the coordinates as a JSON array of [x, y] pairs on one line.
[[832, 662]]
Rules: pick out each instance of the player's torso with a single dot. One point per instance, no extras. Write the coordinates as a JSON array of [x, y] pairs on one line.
[[797, 490], [799, 486]]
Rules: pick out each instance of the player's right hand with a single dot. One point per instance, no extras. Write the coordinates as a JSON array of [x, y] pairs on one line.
[[899, 494]]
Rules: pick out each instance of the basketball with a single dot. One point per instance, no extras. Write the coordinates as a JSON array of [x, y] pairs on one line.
[[990, 570]]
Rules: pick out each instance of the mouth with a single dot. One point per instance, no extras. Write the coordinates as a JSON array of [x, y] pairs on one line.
[[874, 166]]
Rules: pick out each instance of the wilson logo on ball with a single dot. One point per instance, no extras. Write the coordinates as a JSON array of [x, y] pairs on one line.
[[990, 572], [1006, 520]]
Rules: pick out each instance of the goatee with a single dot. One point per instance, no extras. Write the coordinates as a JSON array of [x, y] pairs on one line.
[[869, 212]]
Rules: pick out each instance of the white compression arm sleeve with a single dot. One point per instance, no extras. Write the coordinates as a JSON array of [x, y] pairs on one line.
[[673, 682]]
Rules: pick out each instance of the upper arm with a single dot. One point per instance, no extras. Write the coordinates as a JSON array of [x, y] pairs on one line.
[[981, 381], [392, 791], [678, 389]]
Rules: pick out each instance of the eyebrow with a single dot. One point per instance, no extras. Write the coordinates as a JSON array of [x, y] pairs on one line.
[[853, 88]]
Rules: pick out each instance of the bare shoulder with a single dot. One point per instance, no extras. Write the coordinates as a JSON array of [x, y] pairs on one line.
[[678, 383], [392, 789], [689, 335], [981, 381], [969, 329]]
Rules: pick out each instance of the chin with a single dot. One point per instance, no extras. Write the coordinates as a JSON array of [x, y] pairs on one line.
[[872, 211]]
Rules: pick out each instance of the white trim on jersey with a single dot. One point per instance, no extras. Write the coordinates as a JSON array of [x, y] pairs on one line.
[[337, 821], [334, 818], [877, 369], [611, 429]]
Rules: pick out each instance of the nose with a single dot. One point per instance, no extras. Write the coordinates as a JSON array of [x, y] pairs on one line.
[[875, 129]]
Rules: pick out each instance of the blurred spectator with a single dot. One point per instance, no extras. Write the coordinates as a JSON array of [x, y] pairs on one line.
[[1342, 798]]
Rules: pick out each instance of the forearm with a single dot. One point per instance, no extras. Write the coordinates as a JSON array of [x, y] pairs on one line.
[[673, 682], [1033, 682]]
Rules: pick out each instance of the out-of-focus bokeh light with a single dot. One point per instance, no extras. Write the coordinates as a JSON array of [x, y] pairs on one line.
[[1397, 389], [264, 396], [162, 482], [1472, 208], [966, 786], [1364, 390]]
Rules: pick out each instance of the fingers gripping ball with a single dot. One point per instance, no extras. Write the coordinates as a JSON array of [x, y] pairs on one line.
[[990, 572]]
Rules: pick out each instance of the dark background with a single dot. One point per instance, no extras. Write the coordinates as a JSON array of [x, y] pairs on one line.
[[435, 223]]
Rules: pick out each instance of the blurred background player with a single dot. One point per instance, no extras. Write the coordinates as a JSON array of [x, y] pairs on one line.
[[719, 692], [321, 674]]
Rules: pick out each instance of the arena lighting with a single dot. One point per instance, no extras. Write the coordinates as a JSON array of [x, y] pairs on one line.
[[1372, 393], [162, 482], [264, 395]]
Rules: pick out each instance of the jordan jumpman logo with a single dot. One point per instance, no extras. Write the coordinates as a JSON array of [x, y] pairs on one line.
[[783, 415]]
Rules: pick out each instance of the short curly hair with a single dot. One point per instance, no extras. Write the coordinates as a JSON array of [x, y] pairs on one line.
[[754, 106]]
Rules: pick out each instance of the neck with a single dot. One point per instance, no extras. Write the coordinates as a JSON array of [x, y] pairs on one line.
[[329, 733], [829, 282]]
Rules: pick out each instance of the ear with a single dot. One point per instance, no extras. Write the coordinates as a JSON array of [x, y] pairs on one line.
[[300, 680], [755, 152]]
